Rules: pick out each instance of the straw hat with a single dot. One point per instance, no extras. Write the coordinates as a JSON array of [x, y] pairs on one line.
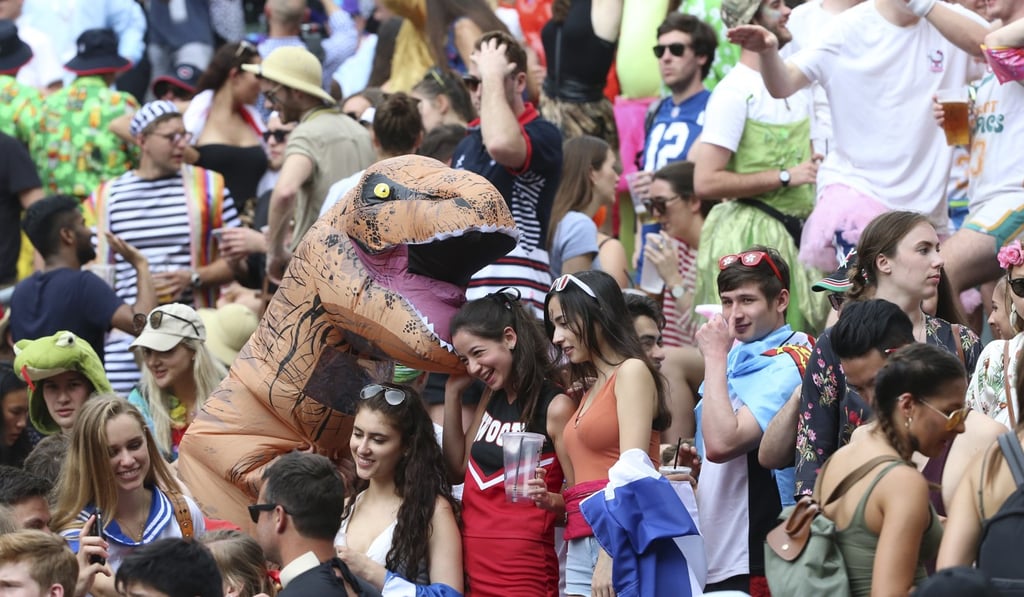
[[294, 67], [228, 329]]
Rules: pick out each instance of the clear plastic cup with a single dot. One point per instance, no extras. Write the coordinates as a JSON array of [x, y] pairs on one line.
[[650, 280], [105, 271], [522, 457], [674, 470]]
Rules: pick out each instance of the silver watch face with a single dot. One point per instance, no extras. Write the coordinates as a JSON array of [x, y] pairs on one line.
[[784, 176]]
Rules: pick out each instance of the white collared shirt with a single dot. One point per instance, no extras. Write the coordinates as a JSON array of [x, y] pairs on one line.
[[296, 567]]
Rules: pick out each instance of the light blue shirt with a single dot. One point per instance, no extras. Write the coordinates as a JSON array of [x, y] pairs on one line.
[[64, 20]]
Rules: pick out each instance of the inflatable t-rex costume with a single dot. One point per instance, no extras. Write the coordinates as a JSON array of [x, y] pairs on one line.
[[374, 281]]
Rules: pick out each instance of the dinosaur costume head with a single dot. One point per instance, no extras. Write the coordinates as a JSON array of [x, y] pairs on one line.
[[375, 281], [47, 357]]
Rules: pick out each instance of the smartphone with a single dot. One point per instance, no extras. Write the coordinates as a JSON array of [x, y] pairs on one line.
[[97, 531]]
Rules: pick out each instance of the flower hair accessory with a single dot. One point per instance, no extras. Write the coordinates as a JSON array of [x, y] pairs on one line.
[[1011, 255]]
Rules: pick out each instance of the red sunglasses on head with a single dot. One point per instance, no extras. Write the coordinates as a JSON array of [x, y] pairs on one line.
[[750, 259]]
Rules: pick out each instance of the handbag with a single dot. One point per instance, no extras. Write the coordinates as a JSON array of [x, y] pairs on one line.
[[801, 555]]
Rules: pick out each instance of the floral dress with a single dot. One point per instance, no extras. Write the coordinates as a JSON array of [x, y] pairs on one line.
[[988, 388], [830, 411]]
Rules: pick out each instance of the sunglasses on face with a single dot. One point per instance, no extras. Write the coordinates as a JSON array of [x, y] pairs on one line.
[[750, 259], [472, 83], [953, 419], [156, 319], [280, 135], [563, 281], [175, 137], [1016, 285], [677, 50], [836, 300], [657, 206], [392, 395], [271, 94], [255, 509]]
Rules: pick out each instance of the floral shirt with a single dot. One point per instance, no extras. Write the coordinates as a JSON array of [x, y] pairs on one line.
[[830, 411], [987, 391], [19, 108], [73, 148]]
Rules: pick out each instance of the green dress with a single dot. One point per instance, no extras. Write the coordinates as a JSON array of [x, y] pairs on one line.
[[732, 227]]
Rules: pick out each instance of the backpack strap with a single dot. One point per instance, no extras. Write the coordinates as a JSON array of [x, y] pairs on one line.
[[857, 475], [1010, 445], [182, 513], [1006, 383]]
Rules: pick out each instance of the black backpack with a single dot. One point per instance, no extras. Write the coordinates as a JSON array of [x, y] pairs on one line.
[[998, 557]]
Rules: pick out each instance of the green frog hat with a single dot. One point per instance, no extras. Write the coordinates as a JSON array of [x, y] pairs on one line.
[[46, 357]]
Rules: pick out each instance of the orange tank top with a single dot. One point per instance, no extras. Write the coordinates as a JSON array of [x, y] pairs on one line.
[[592, 437]]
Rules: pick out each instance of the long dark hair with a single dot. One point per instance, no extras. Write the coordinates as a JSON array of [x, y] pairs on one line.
[[581, 157], [919, 369], [420, 477], [487, 318], [229, 57], [15, 454], [441, 14], [604, 316], [443, 81]]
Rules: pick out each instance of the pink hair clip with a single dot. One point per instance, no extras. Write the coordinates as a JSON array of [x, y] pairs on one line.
[[1011, 255]]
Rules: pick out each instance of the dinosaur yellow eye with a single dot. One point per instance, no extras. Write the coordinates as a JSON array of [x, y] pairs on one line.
[[382, 190]]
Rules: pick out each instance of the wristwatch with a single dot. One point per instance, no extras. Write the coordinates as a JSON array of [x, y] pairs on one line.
[[784, 178], [195, 280], [677, 291]]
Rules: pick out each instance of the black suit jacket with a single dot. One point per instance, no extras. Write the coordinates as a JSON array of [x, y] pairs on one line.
[[328, 580]]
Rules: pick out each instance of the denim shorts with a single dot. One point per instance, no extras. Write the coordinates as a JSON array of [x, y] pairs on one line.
[[579, 565]]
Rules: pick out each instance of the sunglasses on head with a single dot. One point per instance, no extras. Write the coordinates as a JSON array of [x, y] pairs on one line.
[[562, 282], [392, 395], [750, 259], [1016, 285], [243, 47], [953, 419], [280, 135], [677, 50], [156, 319], [435, 74]]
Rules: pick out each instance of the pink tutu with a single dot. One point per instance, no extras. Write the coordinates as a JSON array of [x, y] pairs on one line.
[[840, 210]]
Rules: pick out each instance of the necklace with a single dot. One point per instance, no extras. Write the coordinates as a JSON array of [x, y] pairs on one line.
[[134, 532]]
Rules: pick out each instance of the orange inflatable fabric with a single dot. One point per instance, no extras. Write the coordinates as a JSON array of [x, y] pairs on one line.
[[375, 281]]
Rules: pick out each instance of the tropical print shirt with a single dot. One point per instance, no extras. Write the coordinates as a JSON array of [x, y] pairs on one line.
[[19, 108], [73, 148]]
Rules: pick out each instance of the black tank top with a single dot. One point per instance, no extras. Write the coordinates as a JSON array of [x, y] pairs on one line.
[[241, 167]]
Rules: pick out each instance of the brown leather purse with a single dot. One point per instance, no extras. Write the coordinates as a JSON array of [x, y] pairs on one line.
[[789, 539]]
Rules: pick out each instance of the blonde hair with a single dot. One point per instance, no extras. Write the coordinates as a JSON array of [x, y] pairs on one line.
[[207, 372], [88, 477], [49, 560], [241, 562]]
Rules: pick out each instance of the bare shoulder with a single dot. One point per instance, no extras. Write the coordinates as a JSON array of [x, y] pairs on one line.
[[632, 371], [561, 408]]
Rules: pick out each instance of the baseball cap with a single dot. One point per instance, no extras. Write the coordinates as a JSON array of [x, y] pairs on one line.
[[739, 12], [168, 325], [184, 77], [148, 113], [838, 281]]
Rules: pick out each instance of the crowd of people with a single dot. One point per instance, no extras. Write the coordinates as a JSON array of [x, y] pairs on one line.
[[753, 246]]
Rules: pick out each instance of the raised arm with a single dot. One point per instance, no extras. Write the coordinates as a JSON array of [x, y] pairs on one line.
[[727, 433], [1010, 36], [782, 79], [963, 31], [499, 127]]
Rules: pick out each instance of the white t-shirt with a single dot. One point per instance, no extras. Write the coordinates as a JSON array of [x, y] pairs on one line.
[[996, 169], [339, 190], [880, 79], [44, 67], [740, 96], [806, 23]]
